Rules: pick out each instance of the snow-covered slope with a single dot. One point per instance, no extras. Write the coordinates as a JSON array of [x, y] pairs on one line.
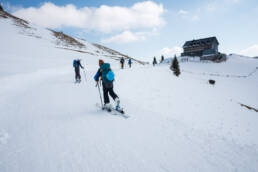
[[42, 47], [48, 123]]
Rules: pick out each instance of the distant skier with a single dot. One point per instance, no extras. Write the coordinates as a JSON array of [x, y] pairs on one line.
[[130, 62], [107, 76], [77, 65], [122, 61], [154, 61], [162, 59]]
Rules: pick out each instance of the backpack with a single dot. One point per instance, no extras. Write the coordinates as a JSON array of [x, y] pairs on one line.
[[107, 74], [74, 63], [110, 75]]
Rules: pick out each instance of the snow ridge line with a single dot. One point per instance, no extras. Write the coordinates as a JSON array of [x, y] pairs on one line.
[[224, 75], [249, 107], [94, 54]]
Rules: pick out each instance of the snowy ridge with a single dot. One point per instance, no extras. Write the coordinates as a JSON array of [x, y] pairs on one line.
[[59, 39]]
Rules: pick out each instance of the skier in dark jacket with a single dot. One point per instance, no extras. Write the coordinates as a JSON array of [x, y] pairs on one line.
[[77, 65], [107, 82], [122, 61], [154, 61]]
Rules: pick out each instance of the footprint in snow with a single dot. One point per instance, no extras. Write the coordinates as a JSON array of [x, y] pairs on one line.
[[3, 138]]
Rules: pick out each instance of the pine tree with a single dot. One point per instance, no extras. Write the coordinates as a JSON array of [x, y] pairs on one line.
[[1, 8], [175, 66]]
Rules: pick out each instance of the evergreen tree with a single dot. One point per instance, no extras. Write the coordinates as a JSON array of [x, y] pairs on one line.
[[175, 66], [1, 8]]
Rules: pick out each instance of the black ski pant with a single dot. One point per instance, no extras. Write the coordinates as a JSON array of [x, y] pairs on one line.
[[108, 89], [77, 74]]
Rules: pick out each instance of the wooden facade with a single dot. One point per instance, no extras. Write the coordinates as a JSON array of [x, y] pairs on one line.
[[201, 47]]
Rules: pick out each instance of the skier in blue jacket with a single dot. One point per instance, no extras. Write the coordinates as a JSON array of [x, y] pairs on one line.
[[77, 65], [130, 62], [107, 76]]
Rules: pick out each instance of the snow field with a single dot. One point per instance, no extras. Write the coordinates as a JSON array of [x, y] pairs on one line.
[[57, 127]]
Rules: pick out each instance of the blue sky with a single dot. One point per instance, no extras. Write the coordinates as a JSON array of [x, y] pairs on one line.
[[145, 29]]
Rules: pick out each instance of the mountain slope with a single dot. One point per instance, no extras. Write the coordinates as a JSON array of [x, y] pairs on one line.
[[19, 35]]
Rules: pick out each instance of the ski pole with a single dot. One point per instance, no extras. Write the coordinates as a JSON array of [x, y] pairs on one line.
[[85, 75], [100, 95], [84, 71]]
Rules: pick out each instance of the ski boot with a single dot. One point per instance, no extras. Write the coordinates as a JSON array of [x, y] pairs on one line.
[[117, 103], [118, 108], [108, 107]]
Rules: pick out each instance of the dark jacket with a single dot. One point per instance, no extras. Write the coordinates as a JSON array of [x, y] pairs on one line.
[[78, 64]]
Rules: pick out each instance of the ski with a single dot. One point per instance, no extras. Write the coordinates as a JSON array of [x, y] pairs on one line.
[[120, 112], [77, 82], [113, 111]]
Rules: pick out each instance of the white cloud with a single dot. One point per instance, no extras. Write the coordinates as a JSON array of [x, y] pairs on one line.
[[211, 7], [128, 36], [125, 37], [106, 19], [219, 5], [170, 52], [183, 12], [195, 18], [191, 16], [250, 51]]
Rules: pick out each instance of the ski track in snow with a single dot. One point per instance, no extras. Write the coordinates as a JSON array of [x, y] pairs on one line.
[[3, 138]]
